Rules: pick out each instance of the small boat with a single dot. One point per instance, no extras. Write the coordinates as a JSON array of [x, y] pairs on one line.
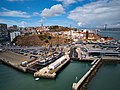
[[36, 79], [76, 78]]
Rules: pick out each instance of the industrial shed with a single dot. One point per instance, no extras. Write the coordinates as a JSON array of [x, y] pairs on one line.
[[56, 63]]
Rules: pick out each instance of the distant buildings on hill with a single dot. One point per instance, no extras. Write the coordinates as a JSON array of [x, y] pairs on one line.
[[86, 35]]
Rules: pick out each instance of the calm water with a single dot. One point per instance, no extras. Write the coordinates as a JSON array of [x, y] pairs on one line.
[[107, 78], [114, 34], [11, 79]]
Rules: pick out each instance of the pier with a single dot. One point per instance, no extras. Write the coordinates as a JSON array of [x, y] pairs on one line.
[[82, 83], [51, 70], [25, 63]]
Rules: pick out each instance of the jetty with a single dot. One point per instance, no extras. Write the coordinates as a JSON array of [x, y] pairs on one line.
[[51, 70], [82, 83], [100, 55]]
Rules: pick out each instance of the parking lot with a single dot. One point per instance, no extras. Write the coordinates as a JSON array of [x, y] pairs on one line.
[[13, 57]]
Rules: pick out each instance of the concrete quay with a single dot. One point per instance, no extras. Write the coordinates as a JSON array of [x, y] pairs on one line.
[[51, 74], [106, 58], [82, 83], [13, 59], [13, 65]]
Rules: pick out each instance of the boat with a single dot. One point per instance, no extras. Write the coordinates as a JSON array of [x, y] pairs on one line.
[[36, 79], [76, 78]]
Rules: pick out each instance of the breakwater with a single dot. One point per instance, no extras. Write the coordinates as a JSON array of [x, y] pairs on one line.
[[82, 83], [107, 77]]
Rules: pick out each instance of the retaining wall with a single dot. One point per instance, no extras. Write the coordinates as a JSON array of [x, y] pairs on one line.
[[19, 67]]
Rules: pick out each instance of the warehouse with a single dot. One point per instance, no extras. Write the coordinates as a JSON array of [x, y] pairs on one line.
[[56, 63]]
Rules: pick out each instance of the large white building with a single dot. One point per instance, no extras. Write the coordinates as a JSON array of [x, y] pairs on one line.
[[56, 63], [14, 34]]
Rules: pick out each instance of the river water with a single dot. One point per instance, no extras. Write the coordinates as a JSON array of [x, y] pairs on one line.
[[108, 76], [11, 79], [114, 34]]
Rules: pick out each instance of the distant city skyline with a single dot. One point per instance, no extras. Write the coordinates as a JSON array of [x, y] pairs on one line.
[[78, 13]]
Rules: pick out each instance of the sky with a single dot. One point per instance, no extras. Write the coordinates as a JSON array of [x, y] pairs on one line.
[[77, 13]]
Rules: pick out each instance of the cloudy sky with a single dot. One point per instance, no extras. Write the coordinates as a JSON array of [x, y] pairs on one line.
[[78, 13]]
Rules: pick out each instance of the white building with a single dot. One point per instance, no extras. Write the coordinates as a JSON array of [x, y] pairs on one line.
[[56, 63], [14, 34]]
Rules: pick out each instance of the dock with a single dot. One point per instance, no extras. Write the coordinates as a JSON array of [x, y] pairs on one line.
[[13, 59], [51, 70], [78, 54], [115, 59], [82, 83], [19, 67], [25, 63]]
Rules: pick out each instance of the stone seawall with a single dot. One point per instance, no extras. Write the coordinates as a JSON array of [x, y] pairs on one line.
[[23, 69]]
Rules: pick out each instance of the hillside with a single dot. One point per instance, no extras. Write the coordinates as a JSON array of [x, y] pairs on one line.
[[60, 28], [39, 40]]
